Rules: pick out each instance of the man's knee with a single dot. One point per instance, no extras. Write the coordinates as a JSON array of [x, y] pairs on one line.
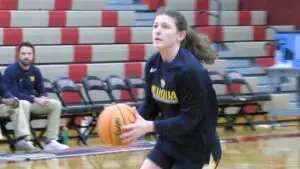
[[6, 110], [25, 105], [55, 104]]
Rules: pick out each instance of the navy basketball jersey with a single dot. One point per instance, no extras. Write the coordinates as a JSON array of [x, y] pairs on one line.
[[179, 90]]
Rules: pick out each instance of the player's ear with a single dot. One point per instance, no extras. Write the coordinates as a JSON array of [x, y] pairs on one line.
[[181, 35]]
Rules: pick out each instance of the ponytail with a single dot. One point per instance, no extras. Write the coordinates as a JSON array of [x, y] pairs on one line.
[[200, 46]]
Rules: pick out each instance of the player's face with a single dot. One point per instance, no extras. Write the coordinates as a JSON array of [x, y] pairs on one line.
[[26, 55], [164, 32]]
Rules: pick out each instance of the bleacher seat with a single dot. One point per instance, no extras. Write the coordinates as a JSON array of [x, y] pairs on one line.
[[231, 5], [113, 35], [241, 33], [52, 4], [228, 18]]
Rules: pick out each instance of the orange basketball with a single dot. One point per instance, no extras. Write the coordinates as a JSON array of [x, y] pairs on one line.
[[110, 121]]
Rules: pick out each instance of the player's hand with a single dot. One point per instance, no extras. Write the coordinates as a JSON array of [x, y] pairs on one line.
[[41, 101], [13, 102], [132, 132]]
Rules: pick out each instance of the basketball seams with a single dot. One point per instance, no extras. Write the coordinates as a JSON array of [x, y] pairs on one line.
[[109, 128], [118, 131], [133, 115], [123, 120], [129, 110], [112, 119]]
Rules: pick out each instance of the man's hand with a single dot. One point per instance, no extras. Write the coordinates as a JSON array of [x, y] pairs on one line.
[[41, 100], [13, 102]]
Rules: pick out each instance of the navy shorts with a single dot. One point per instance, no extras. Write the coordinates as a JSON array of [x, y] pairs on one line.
[[165, 161]]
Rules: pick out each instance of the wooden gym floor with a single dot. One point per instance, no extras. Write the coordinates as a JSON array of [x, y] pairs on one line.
[[265, 148]]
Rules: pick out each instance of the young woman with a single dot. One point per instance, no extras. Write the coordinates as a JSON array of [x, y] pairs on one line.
[[179, 87]]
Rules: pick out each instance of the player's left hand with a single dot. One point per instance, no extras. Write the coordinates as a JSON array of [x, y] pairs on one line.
[[132, 132]]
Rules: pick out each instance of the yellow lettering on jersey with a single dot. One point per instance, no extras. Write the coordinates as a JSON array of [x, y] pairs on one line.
[[167, 96]]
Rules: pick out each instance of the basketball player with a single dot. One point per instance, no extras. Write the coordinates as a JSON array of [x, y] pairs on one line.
[[25, 81], [179, 87], [12, 107]]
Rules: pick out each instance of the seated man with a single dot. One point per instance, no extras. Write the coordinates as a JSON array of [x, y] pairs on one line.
[[10, 106], [25, 81]]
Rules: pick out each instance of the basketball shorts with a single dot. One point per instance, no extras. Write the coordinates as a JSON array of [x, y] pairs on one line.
[[165, 161]]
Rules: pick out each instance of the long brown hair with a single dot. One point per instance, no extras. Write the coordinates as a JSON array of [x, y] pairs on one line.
[[197, 43]]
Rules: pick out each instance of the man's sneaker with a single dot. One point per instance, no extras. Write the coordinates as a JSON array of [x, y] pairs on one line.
[[25, 146], [54, 145]]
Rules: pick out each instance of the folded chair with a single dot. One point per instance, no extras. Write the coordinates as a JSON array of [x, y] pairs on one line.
[[135, 84], [225, 101], [250, 98], [94, 88], [9, 134], [74, 109], [95, 84], [117, 86]]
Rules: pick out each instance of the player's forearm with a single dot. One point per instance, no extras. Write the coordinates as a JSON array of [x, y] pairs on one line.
[[150, 127], [174, 126]]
